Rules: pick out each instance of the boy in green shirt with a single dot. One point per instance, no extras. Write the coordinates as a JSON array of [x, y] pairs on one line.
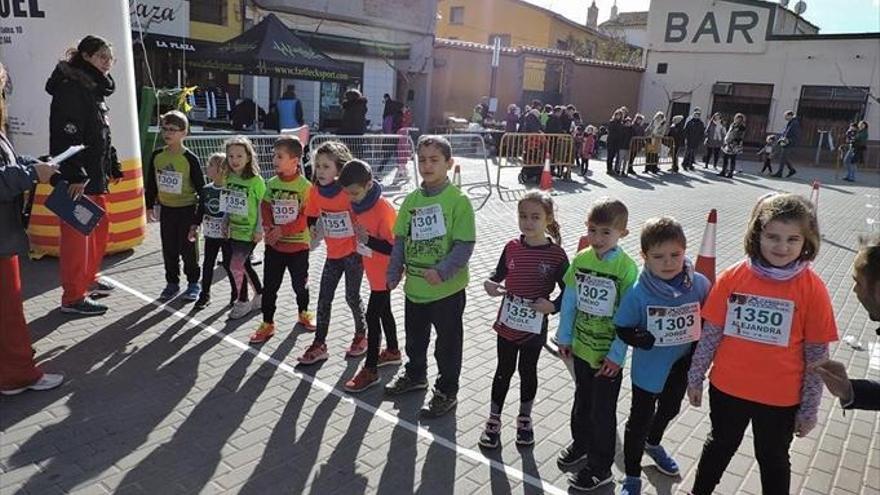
[[175, 179], [598, 278], [434, 239]]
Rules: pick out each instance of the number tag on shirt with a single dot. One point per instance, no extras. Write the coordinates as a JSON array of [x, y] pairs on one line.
[[674, 325], [284, 211], [596, 295], [234, 202], [427, 223], [212, 227], [516, 314], [337, 224], [765, 320], [170, 181], [363, 250]]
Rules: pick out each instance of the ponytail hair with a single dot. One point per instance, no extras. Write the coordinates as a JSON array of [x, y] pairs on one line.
[[546, 202], [89, 45]]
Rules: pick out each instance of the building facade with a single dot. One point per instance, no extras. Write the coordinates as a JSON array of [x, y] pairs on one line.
[[759, 59], [632, 27]]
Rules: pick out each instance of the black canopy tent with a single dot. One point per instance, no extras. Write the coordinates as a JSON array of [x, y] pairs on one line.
[[271, 49]]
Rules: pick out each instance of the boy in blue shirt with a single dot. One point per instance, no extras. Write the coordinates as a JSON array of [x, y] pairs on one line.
[[660, 319]]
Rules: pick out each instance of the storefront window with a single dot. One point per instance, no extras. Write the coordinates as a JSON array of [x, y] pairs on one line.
[[210, 11]]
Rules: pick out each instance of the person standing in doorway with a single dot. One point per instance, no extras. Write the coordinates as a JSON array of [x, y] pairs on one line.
[[788, 139], [79, 115]]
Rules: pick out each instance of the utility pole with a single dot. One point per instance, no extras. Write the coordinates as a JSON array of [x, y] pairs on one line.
[[496, 60]]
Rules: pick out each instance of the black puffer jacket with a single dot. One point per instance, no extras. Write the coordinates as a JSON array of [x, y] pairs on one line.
[[79, 115], [354, 115]]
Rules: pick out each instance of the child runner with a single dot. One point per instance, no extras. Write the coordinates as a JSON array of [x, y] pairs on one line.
[[374, 222], [327, 203], [660, 319], [435, 236], [599, 276], [766, 319], [286, 235], [530, 266], [244, 189], [176, 181]]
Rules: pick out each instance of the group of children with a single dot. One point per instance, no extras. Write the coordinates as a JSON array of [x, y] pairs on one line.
[[750, 326]]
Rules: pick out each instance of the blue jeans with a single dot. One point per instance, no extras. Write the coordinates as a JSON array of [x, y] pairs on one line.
[[849, 160]]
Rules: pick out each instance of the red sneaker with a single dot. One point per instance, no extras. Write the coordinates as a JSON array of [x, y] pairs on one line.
[[358, 346], [307, 321], [315, 353], [264, 333], [388, 357], [362, 381]]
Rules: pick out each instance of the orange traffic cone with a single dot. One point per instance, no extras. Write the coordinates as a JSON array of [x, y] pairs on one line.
[[706, 258], [456, 175], [814, 195], [546, 178]]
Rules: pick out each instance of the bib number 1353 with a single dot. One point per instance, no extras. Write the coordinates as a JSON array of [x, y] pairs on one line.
[[516, 313]]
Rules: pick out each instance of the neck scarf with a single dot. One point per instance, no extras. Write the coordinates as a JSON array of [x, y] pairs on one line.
[[670, 289], [369, 200], [787, 272], [330, 190]]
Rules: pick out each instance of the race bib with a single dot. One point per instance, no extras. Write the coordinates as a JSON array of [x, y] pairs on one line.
[[765, 320], [427, 223], [674, 325], [363, 250], [596, 295], [170, 181], [212, 227], [516, 314], [234, 202], [337, 224], [284, 211]]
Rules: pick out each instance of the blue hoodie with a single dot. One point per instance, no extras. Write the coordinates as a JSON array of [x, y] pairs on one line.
[[651, 367]]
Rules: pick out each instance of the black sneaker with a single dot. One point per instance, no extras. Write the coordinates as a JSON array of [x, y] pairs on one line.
[[85, 307], [402, 384], [586, 481], [791, 172], [439, 405], [569, 457], [524, 433], [101, 288], [491, 437], [203, 301]]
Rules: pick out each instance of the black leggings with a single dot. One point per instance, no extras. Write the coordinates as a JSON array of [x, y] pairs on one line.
[[731, 160], [274, 265], [212, 248], [379, 319], [711, 153], [508, 352]]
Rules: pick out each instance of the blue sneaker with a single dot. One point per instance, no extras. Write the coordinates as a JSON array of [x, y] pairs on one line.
[[631, 486], [665, 464], [169, 292], [193, 291]]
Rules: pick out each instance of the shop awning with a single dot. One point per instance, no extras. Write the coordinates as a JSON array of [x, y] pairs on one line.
[[172, 43], [271, 49], [355, 46]]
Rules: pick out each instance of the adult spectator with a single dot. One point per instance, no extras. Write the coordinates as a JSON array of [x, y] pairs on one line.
[[79, 115], [243, 114], [676, 132], [485, 113], [656, 131], [391, 114], [638, 131], [614, 141], [693, 136], [566, 119], [554, 121], [858, 394], [733, 145], [715, 132], [18, 370], [290, 110], [354, 113], [511, 120], [788, 139]]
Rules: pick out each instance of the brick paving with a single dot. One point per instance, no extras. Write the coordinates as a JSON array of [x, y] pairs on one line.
[[155, 403]]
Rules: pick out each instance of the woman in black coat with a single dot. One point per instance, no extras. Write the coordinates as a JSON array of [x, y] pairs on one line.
[[79, 115], [614, 141], [354, 113]]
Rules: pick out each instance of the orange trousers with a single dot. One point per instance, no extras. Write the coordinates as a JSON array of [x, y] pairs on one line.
[[17, 367], [81, 255]]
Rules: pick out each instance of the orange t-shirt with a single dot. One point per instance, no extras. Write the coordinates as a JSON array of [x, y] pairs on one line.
[[379, 223], [337, 218], [756, 308]]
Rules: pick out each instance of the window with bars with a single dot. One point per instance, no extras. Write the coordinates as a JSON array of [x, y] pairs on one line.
[[209, 11], [456, 15]]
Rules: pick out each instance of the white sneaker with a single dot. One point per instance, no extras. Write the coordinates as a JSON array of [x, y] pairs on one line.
[[257, 303], [240, 309], [46, 382]]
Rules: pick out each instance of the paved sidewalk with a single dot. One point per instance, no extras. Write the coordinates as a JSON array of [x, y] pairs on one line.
[[162, 400]]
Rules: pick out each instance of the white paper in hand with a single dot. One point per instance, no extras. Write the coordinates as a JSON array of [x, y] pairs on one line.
[[69, 152]]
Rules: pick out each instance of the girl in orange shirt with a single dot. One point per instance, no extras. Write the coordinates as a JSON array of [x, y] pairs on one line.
[[766, 319]]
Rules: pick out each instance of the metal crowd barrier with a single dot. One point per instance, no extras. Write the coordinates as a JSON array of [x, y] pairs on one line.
[[472, 162], [645, 151], [518, 149], [390, 156], [205, 145]]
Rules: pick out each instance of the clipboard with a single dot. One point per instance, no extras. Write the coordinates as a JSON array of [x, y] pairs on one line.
[[82, 214]]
